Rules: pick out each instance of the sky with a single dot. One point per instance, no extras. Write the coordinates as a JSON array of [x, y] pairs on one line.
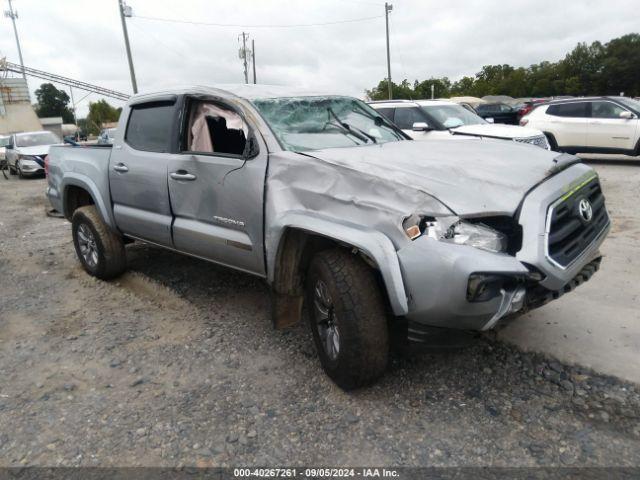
[[83, 39]]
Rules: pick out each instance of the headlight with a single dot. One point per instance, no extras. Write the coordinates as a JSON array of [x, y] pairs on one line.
[[460, 232], [28, 161]]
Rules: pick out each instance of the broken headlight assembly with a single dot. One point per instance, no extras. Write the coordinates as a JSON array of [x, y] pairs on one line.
[[455, 230]]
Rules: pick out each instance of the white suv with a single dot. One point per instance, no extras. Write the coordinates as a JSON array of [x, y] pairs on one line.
[[424, 119], [589, 125]]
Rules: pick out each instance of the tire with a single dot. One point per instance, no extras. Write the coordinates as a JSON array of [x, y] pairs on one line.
[[100, 250], [355, 309], [12, 171]]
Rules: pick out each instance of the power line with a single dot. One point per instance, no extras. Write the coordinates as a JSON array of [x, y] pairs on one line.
[[52, 77], [156, 39], [299, 25]]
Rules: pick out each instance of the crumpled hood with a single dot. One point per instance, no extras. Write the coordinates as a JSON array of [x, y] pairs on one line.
[[479, 177], [497, 130]]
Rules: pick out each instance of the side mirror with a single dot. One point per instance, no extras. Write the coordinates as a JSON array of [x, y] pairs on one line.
[[421, 127], [490, 119], [251, 149], [9, 146], [627, 115]]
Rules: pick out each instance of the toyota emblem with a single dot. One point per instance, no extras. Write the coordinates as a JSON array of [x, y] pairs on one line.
[[585, 209]]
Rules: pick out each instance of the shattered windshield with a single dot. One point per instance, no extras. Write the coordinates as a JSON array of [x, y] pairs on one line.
[[312, 123]]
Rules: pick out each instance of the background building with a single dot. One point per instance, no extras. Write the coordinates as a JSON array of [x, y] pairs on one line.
[[16, 112]]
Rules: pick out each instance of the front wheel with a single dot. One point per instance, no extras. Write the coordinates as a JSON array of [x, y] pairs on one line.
[[347, 318], [99, 249]]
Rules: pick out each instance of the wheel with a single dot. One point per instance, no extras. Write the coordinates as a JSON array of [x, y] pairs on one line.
[[100, 251], [12, 170], [20, 174], [347, 318]]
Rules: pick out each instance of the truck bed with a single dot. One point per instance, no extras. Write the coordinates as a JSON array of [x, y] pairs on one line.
[[74, 165]]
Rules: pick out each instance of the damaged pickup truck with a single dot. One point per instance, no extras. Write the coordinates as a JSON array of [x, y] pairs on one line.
[[338, 210]]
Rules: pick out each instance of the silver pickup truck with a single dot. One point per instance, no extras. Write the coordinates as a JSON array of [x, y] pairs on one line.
[[343, 215]]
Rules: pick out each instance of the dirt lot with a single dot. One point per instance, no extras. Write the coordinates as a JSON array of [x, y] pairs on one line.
[[176, 363]]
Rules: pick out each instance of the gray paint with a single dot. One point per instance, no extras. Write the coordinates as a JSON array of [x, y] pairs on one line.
[[356, 196]]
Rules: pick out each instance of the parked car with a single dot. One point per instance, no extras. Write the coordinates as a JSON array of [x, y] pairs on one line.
[[589, 125], [106, 136], [337, 210], [427, 119], [526, 106], [498, 113], [26, 152], [4, 141]]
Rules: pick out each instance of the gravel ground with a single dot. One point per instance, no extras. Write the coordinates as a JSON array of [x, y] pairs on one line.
[[176, 363]]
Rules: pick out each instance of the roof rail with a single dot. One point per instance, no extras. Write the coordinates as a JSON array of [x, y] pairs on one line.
[[401, 100]]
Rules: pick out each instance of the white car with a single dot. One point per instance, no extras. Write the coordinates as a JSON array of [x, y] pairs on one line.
[[4, 141], [424, 119], [26, 152], [589, 125]]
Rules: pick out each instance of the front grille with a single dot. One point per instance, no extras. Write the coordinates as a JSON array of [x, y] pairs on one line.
[[569, 233], [538, 141]]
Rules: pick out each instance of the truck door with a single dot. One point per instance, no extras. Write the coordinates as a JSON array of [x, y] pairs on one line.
[[138, 170], [216, 186]]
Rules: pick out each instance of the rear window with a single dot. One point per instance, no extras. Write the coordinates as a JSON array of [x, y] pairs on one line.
[[577, 109], [150, 126]]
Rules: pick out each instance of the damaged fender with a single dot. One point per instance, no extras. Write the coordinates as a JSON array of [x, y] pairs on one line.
[[373, 244]]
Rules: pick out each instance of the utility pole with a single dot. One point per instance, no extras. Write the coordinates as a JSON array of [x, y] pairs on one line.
[[432, 90], [387, 8], [243, 55], [125, 11], [253, 59], [73, 105], [13, 15]]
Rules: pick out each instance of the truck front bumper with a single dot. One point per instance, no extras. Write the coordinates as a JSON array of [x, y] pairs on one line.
[[440, 279]]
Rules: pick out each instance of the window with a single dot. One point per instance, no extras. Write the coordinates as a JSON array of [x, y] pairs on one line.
[[576, 110], [150, 126], [406, 117], [606, 110], [386, 112], [213, 128], [444, 116], [36, 139]]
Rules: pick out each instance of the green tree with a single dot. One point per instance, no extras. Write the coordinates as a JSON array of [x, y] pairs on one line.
[[594, 69], [101, 112], [52, 102], [441, 88]]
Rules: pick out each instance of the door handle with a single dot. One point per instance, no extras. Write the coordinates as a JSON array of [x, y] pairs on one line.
[[121, 167], [182, 175]]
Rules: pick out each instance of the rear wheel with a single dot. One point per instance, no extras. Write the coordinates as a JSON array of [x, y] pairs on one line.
[[99, 249], [347, 318]]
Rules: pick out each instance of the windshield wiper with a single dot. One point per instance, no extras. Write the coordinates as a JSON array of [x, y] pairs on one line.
[[382, 119], [356, 132]]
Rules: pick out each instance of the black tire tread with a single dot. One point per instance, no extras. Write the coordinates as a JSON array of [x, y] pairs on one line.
[[363, 307], [112, 245]]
